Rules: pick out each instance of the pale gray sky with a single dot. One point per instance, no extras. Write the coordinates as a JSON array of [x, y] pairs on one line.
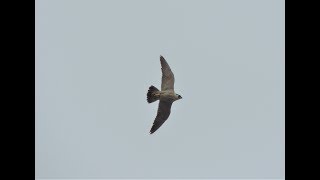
[[95, 60]]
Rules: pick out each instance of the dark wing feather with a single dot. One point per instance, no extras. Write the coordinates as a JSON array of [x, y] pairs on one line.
[[164, 110], [167, 76]]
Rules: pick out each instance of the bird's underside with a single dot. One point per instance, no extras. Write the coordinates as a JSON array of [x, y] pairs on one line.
[[166, 96]]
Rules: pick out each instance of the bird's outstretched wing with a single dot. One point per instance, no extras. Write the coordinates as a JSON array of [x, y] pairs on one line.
[[164, 110], [167, 76]]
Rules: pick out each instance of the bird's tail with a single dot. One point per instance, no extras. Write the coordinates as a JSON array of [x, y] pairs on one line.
[[153, 94]]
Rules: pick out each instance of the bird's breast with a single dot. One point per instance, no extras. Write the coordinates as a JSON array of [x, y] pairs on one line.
[[167, 96]]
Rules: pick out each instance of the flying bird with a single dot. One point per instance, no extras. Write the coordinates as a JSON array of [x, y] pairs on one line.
[[166, 96]]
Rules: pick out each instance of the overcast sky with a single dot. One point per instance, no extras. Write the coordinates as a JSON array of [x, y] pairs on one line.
[[95, 60]]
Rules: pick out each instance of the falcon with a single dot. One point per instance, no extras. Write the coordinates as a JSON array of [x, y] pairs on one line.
[[166, 96]]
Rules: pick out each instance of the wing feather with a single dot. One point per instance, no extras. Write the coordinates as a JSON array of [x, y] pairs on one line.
[[163, 113], [167, 76]]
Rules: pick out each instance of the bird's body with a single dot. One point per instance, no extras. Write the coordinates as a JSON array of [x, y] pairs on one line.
[[166, 96]]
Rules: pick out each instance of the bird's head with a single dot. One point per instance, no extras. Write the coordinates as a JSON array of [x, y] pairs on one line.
[[178, 96]]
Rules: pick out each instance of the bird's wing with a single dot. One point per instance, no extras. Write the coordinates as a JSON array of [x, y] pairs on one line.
[[163, 113], [167, 76]]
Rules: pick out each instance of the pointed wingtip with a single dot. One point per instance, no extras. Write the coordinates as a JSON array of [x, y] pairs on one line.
[[161, 58], [151, 131]]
